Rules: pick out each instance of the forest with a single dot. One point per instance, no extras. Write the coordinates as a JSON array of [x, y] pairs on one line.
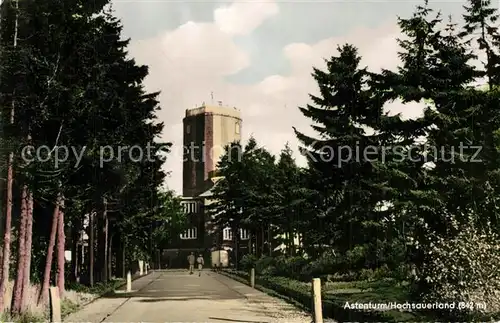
[[67, 82]]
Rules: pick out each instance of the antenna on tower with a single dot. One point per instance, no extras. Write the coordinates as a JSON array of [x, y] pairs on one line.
[[212, 95]]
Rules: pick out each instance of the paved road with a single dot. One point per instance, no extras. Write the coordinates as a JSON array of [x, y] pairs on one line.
[[176, 296]]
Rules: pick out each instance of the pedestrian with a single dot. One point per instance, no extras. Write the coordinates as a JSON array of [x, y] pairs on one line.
[[191, 260], [201, 262]]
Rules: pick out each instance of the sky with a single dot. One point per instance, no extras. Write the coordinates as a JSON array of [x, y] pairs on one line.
[[257, 56]]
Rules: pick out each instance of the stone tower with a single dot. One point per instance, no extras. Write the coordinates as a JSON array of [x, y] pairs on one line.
[[207, 130]]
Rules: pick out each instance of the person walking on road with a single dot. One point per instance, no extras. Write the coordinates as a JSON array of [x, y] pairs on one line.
[[191, 260], [201, 262]]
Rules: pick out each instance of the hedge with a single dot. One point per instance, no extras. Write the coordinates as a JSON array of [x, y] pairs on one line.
[[333, 305]]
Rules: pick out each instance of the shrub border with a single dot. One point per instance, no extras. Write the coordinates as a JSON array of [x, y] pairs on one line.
[[331, 309]]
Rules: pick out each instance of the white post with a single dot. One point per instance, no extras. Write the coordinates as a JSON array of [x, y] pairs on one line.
[[146, 268], [55, 305], [316, 295], [129, 281], [252, 277], [141, 267]]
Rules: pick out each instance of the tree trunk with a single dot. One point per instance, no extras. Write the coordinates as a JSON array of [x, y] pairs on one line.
[[2, 205], [17, 292], [104, 260], [7, 235], [159, 258], [236, 234], [262, 240], [27, 266], [75, 229], [110, 258], [91, 248], [124, 260], [301, 243], [44, 292], [269, 240], [74, 262], [291, 241], [61, 241], [100, 263], [8, 213]]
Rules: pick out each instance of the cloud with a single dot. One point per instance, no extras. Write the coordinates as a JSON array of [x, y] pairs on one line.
[[190, 62], [241, 18]]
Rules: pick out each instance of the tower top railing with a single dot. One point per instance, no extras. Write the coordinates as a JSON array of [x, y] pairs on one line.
[[217, 110]]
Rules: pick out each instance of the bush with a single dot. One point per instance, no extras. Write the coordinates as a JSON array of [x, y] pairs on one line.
[[324, 267], [265, 264], [374, 274], [365, 274], [248, 261], [290, 267], [463, 268], [382, 272], [356, 257], [269, 271]]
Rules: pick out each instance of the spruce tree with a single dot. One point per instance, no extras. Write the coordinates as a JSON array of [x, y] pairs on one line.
[[341, 114]]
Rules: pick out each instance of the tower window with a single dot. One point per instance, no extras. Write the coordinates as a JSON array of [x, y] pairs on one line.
[[188, 129], [237, 128]]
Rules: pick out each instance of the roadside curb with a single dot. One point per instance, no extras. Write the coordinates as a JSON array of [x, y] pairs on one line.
[[266, 290]]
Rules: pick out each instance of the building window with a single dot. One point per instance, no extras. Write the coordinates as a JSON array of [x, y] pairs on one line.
[[189, 234], [227, 234], [244, 234], [188, 129], [190, 207], [237, 128]]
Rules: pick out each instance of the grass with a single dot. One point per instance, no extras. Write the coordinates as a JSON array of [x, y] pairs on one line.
[[34, 310], [78, 295], [365, 291], [75, 297], [25, 318], [68, 307]]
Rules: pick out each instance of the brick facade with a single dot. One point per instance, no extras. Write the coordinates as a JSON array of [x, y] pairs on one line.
[[209, 145], [205, 128]]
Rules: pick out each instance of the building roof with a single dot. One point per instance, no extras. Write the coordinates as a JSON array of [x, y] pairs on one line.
[[209, 193]]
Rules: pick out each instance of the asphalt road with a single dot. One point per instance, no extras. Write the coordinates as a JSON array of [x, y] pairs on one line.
[[176, 296]]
